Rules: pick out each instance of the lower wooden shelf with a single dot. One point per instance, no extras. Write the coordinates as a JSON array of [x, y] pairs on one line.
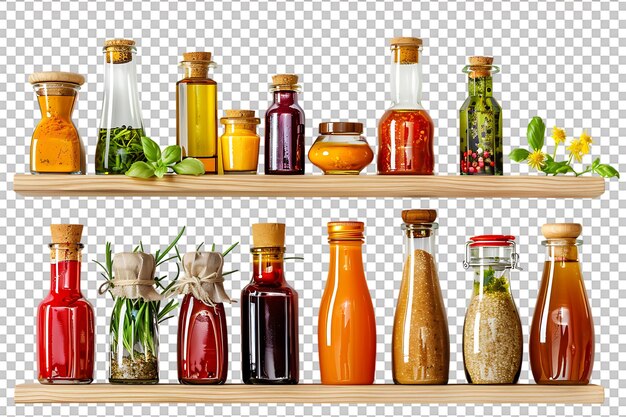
[[311, 394]]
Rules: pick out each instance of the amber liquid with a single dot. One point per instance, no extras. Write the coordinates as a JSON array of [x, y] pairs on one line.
[[561, 334]]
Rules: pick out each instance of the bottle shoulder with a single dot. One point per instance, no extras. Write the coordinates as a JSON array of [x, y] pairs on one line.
[[197, 81]]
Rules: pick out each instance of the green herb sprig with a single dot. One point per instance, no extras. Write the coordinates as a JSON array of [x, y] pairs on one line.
[[159, 163], [137, 314], [118, 149], [542, 161]]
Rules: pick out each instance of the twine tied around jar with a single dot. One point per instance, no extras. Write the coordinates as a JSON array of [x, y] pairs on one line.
[[133, 277], [202, 278]]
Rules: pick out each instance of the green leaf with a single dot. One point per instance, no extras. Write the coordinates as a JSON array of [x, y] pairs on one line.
[[160, 170], [536, 133], [151, 149], [595, 163], [227, 251], [607, 171], [519, 155], [189, 166], [564, 169], [140, 169], [161, 255], [171, 155]]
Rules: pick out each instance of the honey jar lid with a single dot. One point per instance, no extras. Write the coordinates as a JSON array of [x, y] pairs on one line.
[[56, 76], [348, 230], [66, 233], [327, 128], [561, 230], [419, 216], [268, 235]]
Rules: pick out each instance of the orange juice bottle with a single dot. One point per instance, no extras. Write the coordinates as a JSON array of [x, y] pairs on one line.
[[347, 326]]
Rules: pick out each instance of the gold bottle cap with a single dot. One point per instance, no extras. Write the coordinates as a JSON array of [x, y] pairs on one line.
[[246, 114], [419, 216], [197, 56], [326, 128], [345, 230], [66, 233], [268, 235], [561, 230]]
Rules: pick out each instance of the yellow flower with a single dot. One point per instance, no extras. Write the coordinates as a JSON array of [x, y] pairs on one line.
[[585, 142], [558, 134], [536, 159], [576, 149]]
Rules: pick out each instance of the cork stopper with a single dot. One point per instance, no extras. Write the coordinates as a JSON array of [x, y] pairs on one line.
[[197, 56], [480, 66], [56, 77], [119, 51], [244, 114], [406, 50], [66, 233], [419, 216], [285, 79], [268, 235], [561, 230]]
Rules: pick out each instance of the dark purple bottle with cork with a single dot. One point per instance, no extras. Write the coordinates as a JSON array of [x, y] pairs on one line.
[[284, 128]]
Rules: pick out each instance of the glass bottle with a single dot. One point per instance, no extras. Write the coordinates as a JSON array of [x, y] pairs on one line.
[[202, 347], [561, 333], [269, 313], [284, 128], [196, 110], [121, 127], [65, 319], [239, 144], [347, 324], [492, 332], [56, 147], [481, 121], [421, 343], [341, 149], [134, 332], [405, 132]]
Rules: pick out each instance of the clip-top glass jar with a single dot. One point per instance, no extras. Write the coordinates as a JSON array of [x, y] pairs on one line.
[[492, 333], [341, 148], [239, 144], [56, 147], [561, 333], [121, 127], [421, 342], [284, 128], [405, 132], [196, 111], [481, 121]]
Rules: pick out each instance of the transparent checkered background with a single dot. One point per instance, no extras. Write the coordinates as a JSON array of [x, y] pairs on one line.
[[560, 60]]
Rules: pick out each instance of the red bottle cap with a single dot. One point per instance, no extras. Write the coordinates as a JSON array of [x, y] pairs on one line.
[[491, 240]]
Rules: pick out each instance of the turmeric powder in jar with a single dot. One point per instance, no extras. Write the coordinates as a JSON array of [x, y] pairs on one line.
[[56, 146]]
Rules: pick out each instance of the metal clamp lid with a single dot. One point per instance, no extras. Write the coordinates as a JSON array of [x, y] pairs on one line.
[[491, 243]]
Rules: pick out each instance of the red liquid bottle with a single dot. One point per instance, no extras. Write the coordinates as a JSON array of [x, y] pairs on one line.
[[284, 128], [202, 342], [269, 314], [65, 319]]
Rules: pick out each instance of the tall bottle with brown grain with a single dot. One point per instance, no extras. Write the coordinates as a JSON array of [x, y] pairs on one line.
[[421, 343], [561, 334]]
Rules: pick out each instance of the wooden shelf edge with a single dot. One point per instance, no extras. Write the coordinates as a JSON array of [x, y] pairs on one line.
[[437, 186], [35, 393]]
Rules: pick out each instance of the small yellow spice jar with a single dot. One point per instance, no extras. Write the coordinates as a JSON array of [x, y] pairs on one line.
[[240, 142]]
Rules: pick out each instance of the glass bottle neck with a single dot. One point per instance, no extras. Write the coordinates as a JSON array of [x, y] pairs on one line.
[[286, 97], [406, 84], [65, 266], [121, 98], [419, 239], [239, 128], [268, 266], [347, 255], [562, 251], [196, 71], [56, 106], [481, 86]]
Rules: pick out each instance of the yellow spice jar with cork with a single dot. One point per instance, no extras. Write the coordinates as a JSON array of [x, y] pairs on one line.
[[239, 144]]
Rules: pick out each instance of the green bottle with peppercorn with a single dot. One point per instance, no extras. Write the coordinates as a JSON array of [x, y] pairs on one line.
[[481, 121]]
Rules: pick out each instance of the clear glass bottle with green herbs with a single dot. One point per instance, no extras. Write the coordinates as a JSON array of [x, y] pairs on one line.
[[121, 126], [492, 333], [481, 121]]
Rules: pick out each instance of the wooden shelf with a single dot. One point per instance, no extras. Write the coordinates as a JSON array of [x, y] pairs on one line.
[[311, 186], [311, 394]]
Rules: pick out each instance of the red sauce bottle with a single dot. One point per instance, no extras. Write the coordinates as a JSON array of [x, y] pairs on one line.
[[269, 314], [65, 319], [405, 132]]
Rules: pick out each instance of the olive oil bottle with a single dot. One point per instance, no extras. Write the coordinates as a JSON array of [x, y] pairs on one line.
[[196, 111]]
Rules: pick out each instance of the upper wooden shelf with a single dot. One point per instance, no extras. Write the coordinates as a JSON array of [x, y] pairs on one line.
[[437, 186], [311, 394]]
